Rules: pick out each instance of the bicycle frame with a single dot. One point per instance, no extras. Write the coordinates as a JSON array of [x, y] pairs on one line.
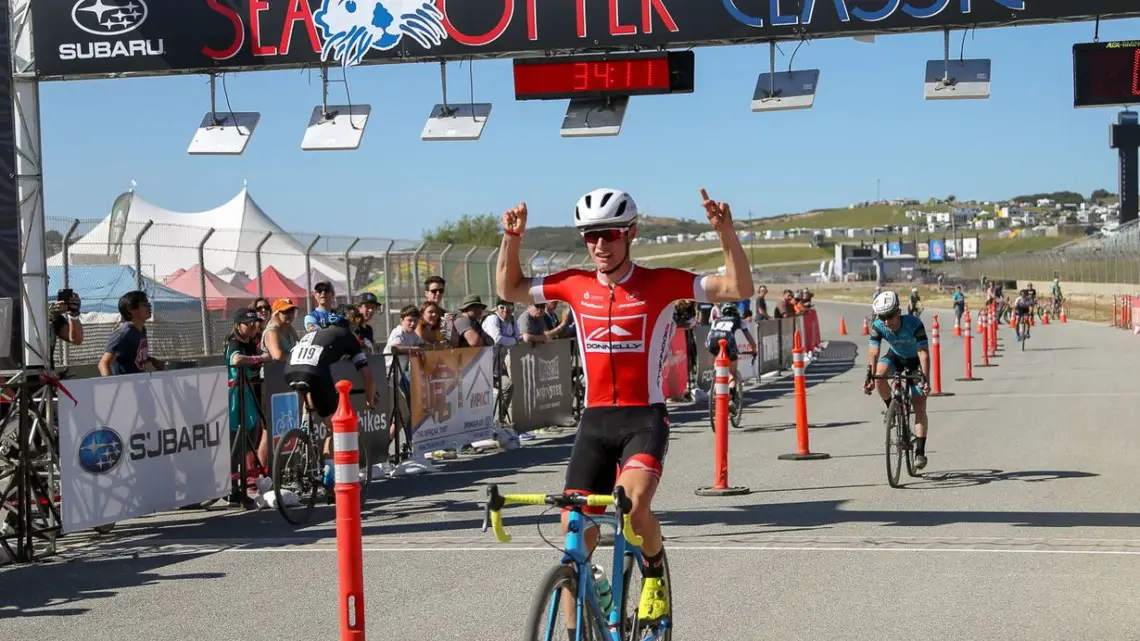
[[577, 553]]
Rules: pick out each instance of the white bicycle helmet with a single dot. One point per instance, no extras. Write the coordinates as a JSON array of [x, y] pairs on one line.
[[605, 208], [885, 304]]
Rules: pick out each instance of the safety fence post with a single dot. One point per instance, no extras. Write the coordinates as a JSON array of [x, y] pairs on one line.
[[349, 547], [936, 360], [803, 448], [969, 347], [720, 397]]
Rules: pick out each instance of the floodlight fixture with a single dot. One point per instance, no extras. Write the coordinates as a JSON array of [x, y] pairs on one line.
[[335, 127], [456, 122], [961, 79], [226, 133], [592, 117], [784, 90]]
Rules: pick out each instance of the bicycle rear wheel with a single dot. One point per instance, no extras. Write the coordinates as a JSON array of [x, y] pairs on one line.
[[296, 472], [906, 436], [632, 628], [894, 443], [557, 595]]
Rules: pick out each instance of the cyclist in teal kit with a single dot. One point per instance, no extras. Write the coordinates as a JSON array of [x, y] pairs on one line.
[[908, 352]]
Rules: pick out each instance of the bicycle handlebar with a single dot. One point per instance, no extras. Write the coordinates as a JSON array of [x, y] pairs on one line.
[[493, 511], [914, 378]]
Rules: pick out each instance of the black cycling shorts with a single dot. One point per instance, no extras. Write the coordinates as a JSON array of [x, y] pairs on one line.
[[899, 364], [732, 350], [611, 439], [322, 391]]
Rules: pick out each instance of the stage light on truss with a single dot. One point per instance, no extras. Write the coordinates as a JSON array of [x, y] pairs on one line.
[[224, 134], [957, 79], [336, 127], [594, 117], [457, 122], [785, 90]]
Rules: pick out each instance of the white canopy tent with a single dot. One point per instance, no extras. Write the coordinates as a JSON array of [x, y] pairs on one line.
[[172, 242]]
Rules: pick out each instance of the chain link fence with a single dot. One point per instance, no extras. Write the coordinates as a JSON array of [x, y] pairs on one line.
[[196, 277], [1106, 258]]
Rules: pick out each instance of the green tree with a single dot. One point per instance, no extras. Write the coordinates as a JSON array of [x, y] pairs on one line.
[[1101, 194], [468, 230]]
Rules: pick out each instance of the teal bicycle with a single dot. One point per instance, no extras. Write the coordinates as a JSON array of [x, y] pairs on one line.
[[573, 578]]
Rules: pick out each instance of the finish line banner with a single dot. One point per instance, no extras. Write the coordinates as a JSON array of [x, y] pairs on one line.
[[142, 443], [105, 37]]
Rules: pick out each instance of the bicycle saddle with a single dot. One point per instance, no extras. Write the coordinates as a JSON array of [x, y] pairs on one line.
[[299, 386]]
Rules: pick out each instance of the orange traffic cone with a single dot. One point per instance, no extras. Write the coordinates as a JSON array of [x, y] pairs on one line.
[[842, 326], [957, 327], [1045, 319], [1063, 319], [866, 330]]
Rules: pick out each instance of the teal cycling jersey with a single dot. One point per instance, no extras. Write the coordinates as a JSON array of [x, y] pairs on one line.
[[910, 337]]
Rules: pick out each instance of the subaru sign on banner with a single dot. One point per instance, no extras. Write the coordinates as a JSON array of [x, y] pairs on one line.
[[543, 394], [142, 443]]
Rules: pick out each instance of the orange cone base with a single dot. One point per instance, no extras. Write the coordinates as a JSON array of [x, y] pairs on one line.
[[723, 491], [968, 380], [810, 456], [938, 394]]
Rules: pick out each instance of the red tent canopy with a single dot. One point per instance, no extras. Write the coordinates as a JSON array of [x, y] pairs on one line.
[[274, 285], [220, 295]]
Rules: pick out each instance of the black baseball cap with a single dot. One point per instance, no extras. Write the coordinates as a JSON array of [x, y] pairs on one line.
[[368, 298], [323, 286], [246, 316]]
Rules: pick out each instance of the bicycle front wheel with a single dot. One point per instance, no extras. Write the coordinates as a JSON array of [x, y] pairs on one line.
[[296, 476], [555, 609], [894, 443]]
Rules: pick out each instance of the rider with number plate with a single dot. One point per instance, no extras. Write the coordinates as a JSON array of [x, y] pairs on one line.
[[908, 353], [624, 315], [725, 327], [1022, 307], [311, 360]]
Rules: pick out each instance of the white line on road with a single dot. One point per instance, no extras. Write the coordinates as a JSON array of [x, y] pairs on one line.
[[1080, 394], [703, 548]]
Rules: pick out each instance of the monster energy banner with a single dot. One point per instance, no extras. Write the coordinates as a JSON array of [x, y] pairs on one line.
[[543, 394], [283, 412], [9, 205]]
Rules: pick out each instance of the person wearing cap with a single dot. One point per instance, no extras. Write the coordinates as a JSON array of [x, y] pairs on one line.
[[367, 304], [533, 324], [279, 335], [325, 295], [500, 325], [242, 352], [468, 329]]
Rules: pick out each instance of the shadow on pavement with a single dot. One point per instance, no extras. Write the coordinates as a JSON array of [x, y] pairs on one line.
[[48, 588], [970, 478], [792, 426]]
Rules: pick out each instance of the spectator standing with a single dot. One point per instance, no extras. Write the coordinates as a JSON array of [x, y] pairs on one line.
[[501, 325], [434, 290], [430, 327], [959, 304], [128, 351], [279, 335], [367, 305], [532, 325], [762, 303], [403, 341], [325, 295], [787, 305], [65, 323], [468, 327], [243, 355]]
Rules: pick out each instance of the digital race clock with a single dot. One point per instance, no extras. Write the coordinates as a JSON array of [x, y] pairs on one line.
[[1106, 73], [600, 76]]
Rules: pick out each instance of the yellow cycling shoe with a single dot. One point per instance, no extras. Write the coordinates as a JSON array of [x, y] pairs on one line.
[[654, 604]]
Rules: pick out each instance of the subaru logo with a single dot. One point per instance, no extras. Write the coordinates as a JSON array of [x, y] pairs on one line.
[[108, 17], [100, 450]]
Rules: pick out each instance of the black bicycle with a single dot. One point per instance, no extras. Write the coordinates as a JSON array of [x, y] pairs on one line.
[[900, 438], [298, 464], [735, 398], [1023, 329]]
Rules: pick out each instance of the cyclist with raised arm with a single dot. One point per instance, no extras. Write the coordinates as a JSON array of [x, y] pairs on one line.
[[726, 327], [908, 353], [624, 315], [1022, 308], [310, 362]]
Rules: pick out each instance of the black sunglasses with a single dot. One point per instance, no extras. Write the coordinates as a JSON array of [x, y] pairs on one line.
[[435, 291]]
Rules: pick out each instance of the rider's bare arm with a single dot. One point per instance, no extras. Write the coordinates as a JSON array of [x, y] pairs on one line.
[[510, 283], [924, 361], [872, 357], [736, 283]]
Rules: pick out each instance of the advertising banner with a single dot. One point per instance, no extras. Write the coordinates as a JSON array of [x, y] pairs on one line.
[[969, 248], [10, 286], [283, 410], [706, 360], [769, 339], [6, 309], [937, 251], [98, 37], [452, 398], [543, 394], [924, 251], [894, 248], [142, 443]]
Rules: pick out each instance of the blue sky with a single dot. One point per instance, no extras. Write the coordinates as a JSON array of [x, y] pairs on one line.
[[869, 122]]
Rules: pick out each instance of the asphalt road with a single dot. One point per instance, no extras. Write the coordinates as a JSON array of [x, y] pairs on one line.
[[1025, 526]]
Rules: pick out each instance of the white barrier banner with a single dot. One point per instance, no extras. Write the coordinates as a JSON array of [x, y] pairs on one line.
[[452, 398], [142, 443]]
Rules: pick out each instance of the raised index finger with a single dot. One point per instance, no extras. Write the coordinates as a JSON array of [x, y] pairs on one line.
[[704, 194]]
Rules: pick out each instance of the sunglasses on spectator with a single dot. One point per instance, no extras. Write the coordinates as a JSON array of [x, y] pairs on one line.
[[264, 308], [323, 290], [436, 291], [608, 235]]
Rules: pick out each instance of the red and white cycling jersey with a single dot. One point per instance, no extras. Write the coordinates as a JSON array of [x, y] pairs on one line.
[[623, 331]]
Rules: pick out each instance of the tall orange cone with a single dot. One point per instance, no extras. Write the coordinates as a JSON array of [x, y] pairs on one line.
[[720, 399], [842, 326], [957, 326], [803, 450], [349, 550], [1063, 318]]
